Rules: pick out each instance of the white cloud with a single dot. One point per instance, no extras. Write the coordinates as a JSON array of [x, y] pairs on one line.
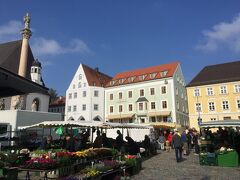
[[10, 31], [224, 34], [41, 45]]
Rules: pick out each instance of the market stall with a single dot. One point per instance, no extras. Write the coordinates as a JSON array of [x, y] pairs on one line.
[[220, 143], [96, 163]]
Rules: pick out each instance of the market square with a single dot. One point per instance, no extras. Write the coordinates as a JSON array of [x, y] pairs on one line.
[[124, 90]]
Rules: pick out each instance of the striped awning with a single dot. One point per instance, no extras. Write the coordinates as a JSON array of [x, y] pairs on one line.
[[120, 116], [159, 113]]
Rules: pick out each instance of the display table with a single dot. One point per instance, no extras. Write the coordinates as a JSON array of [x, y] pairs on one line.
[[209, 159], [228, 159]]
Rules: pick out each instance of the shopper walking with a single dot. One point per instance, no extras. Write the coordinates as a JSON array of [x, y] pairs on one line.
[[177, 144]]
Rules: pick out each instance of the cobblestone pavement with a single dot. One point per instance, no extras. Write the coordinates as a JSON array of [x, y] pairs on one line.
[[164, 166]]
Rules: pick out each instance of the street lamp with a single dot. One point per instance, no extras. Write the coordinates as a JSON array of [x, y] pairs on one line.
[[198, 106]]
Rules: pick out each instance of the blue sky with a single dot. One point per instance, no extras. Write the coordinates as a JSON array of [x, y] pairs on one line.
[[123, 35]]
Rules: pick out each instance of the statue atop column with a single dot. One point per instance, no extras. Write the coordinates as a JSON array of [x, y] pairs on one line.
[[27, 20], [26, 32]]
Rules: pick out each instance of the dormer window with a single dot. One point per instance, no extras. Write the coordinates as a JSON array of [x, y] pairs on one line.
[[94, 83], [121, 80], [112, 83], [142, 77], [153, 75], [163, 73], [131, 79]]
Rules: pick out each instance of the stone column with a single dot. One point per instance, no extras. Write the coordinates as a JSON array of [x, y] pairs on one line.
[[26, 34]]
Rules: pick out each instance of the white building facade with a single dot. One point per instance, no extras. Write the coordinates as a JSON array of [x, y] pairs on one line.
[[85, 95]]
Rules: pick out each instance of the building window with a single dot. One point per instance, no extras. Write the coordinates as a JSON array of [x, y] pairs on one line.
[[238, 104], [164, 89], [70, 95], [120, 108], [75, 95], [176, 91], [153, 75], [74, 108], [198, 107], [142, 77], [152, 91], [153, 119], [73, 86], [140, 106], [153, 106], [84, 107], [129, 94], [69, 108], [80, 77], [225, 105], [84, 93], [84, 84], [111, 109], [121, 81], [131, 79], [79, 85], [210, 91], [237, 88], [196, 92], [95, 93], [177, 105], [223, 90], [227, 118], [141, 92], [163, 73], [164, 104], [130, 107], [111, 96], [95, 107], [213, 119], [211, 106], [120, 95]]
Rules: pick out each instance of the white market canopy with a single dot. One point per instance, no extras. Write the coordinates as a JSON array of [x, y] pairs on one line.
[[49, 124], [221, 123], [125, 125]]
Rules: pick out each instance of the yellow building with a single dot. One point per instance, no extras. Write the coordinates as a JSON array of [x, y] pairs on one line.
[[214, 94]]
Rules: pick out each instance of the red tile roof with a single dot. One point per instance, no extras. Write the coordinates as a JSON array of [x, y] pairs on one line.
[[149, 73], [60, 101], [95, 77]]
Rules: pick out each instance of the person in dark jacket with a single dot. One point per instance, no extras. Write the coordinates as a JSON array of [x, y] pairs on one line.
[[177, 144], [146, 145], [70, 143], [119, 141], [132, 146]]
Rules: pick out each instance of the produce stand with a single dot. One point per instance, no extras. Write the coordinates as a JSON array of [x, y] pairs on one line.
[[228, 159], [92, 163], [224, 157]]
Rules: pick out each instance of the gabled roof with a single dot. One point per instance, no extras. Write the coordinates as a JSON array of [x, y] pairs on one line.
[[58, 102], [145, 74], [10, 56], [219, 73], [95, 77]]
